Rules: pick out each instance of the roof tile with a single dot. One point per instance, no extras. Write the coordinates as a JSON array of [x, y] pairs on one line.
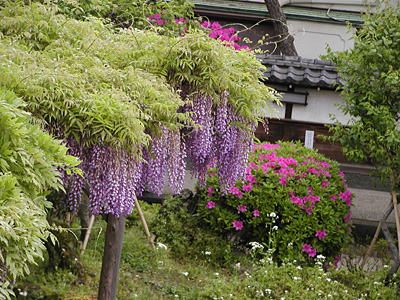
[[300, 71]]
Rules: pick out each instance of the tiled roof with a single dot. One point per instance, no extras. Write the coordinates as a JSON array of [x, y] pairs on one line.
[[291, 11], [300, 71]]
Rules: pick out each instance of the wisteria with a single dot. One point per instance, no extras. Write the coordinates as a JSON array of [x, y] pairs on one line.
[[199, 140], [219, 141], [166, 156], [218, 136], [74, 183]]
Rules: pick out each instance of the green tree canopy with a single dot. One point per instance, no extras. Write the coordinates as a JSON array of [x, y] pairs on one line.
[[371, 92], [371, 95]]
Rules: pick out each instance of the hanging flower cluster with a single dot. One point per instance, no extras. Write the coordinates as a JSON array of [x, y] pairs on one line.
[[114, 177], [218, 140]]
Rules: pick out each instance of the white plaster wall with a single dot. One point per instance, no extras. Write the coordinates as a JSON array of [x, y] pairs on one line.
[[320, 105], [312, 38]]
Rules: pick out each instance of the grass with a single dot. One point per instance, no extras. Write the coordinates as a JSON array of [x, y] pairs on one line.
[[166, 274]]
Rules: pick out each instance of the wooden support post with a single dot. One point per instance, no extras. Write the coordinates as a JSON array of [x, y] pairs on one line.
[[87, 235], [374, 239], [111, 257], [146, 229]]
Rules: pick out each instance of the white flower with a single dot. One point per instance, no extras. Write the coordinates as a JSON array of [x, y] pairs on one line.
[[268, 291], [273, 215], [328, 279], [298, 268], [161, 246], [176, 296], [296, 278], [185, 273], [247, 274], [216, 274], [329, 295], [207, 253], [25, 293], [161, 262], [135, 295], [255, 245], [275, 228], [290, 244]]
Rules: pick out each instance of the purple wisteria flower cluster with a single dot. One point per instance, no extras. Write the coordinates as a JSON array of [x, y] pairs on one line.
[[114, 176]]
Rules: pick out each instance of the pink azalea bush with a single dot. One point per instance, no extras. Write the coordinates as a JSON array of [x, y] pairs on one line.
[[296, 191]]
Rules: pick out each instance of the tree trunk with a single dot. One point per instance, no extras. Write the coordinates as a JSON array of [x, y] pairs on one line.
[[84, 216], [111, 257], [286, 40]]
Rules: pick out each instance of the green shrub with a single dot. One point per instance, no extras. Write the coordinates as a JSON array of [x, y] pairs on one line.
[[292, 199], [188, 236]]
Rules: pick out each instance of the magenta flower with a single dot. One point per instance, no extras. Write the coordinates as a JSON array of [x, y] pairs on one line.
[[346, 197], [210, 204], [237, 225], [242, 208], [309, 249], [333, 198], [256, 213], [312, 252], [336, 260], [325, 184], [210, 190], [321, 234], [296, 200], [247, 187], [251, 179], [347, 219], [310, 190], [306, 248], [234, 190], [282, 181]]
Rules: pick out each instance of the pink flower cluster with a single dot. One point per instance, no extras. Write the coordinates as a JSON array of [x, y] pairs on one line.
[[227, 35], [346, 197], [210, 191], [157, 20], [310, 250], [307, 203], [321, 234], [242, 208], [235, 191], [210, 204], [335, 261], [238, 225]]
